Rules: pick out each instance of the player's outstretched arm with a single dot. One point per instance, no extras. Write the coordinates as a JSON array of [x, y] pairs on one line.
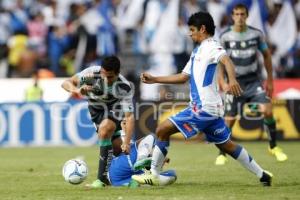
[[71, 85], [171, 79], [234, 87]]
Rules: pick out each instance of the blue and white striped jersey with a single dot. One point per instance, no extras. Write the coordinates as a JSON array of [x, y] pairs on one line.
[[202, 69]]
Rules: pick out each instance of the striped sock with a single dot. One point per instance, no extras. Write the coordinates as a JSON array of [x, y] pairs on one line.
[[105, 157], [242, 156]]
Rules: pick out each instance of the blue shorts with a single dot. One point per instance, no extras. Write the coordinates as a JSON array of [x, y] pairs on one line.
[[190, 123]]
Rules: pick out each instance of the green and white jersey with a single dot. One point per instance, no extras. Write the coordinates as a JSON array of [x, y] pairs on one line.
[[243, 48], [103, 95]]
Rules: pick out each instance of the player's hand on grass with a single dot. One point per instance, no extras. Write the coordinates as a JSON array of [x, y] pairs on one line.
[[147, 78], [235, 88]]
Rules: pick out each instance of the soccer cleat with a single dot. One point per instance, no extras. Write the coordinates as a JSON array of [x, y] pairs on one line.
[[146, 178], [95, 185], [278, 153], [266, 178], [141, 164], [221, 160]]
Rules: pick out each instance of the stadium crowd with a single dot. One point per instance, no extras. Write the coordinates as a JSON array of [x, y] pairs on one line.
[[66, 36]]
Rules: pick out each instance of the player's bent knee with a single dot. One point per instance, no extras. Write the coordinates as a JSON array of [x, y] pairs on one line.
[[165, 130], [227, 147], [105, 134]]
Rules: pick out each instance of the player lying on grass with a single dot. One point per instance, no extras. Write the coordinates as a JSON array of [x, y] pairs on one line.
[[125, 165]]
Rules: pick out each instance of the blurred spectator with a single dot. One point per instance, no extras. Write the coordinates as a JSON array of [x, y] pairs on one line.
[[293, 60], [45, 73], [86, 24], [5, 33], [66, 63], [26, 65], [281, 19], [51, 14], [297, 8], [190, 7], [17, 44], [37, 33], [106, 34], [217, 9], [5, 27], [36, 6], [57, 44], [34, 92], [70, 35], [161, 33], [19, 17]]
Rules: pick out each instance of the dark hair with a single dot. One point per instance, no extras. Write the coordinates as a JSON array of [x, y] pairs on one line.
[[240, 6], [111, 63], [202, 18]]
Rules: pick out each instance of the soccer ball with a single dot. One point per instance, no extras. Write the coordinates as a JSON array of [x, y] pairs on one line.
[[75, 171], [167, 177]]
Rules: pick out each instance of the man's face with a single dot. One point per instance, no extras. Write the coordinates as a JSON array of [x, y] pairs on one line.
[[239, 16], [195, 34], [109, 76]]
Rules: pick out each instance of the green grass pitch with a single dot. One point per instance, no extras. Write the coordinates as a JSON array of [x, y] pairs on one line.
[[35, 173]]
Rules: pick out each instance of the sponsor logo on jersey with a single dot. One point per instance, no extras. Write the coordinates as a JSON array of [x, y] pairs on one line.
[[232, 44], [243, 44]]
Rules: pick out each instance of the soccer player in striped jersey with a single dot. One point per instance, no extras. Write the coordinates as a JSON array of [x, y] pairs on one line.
[[109, 96], [205, 112], [243, 44]]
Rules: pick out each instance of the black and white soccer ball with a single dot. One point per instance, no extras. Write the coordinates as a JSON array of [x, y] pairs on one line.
[[75, 171]]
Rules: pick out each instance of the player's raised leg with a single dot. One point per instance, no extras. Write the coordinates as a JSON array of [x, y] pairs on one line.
[[144, 151]]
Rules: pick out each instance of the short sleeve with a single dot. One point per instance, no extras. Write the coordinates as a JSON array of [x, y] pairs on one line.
[[217, 53], [262, 44], [86, 71], [187, 68], [125, 92], [222, 41]]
